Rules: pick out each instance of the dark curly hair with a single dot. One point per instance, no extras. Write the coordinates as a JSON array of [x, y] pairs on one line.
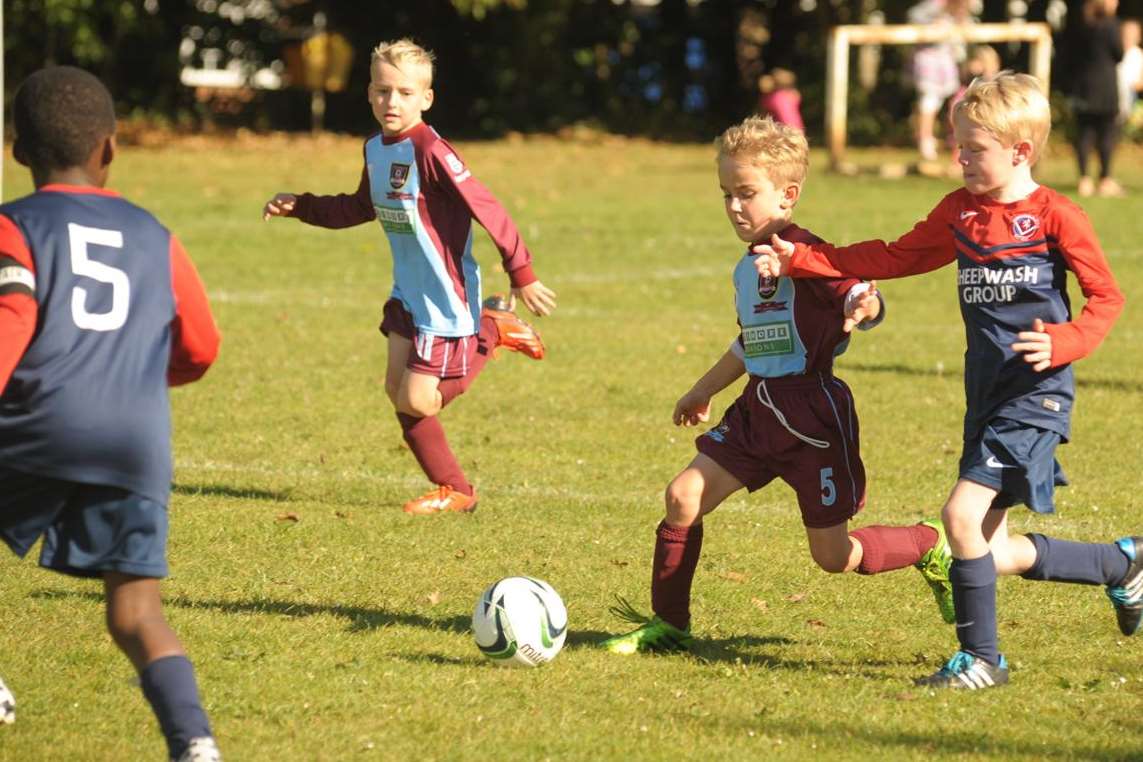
[[60, 115]]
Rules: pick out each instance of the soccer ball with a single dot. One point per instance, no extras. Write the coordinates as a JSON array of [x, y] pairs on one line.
[[520, 622]]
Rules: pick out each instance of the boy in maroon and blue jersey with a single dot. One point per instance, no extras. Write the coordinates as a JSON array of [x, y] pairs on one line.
[[1014, 242], [425, 198], [794, 420], [100, 310]]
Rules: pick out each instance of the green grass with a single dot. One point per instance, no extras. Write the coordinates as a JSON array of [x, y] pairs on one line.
[[344, 634]]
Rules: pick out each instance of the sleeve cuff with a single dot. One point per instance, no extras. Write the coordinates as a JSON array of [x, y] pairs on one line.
[[522, 277]]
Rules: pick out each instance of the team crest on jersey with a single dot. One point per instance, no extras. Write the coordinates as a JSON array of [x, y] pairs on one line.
[[767, 287], [398, 175], [1024, 226]]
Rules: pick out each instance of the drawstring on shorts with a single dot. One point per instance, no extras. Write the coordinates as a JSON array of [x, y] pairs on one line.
[[820, 444]]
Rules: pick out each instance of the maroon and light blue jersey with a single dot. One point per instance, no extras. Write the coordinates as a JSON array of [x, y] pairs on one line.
[[789, 326], [1012, 264], [418, 188], [100, 310]]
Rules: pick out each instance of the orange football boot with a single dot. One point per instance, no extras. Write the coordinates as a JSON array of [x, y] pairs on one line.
[[443, 499], [515, 334]]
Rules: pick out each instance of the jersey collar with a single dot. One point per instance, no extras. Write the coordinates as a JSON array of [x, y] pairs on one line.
[[86, 189]]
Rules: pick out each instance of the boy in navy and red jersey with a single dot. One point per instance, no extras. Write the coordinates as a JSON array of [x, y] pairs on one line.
[[794, 420], [1014, 242], [100, 310], [425, 198]]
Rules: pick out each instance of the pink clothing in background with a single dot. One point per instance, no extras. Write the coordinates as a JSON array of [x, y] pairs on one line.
[[784, 104]]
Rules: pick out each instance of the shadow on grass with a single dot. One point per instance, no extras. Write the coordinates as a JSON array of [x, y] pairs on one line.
[[943, 740], [360, 618], [224, 490], [899, 369]]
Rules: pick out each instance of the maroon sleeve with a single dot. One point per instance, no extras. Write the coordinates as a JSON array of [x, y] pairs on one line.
[[452, 175], [194, 336], [18, 308], [342, 210]]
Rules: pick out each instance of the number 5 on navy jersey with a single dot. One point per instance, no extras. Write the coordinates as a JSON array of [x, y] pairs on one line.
[[80, 237]]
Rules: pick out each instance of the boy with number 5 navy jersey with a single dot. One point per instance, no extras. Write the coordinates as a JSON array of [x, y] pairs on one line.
[[425, 198], [794, 420], [1014, 242], [100, 310]]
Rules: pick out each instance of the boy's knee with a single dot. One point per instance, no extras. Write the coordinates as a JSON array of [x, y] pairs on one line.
[[832, 564], [683, 498]]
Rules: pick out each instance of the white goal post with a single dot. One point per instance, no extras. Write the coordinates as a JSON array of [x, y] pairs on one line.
[[1038, 35]]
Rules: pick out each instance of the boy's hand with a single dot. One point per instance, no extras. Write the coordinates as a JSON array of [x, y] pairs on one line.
[[773, 259], [537, 297], [867, 306], [279, 206], [1036, 345], [692, 409]]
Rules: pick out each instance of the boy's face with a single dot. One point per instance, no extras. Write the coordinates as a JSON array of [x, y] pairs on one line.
[[398, 97], [989, 166], [754, 206]]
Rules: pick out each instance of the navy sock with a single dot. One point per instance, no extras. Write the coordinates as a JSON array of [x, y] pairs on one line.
[[1086, 563], [974, 596], [169, 685]]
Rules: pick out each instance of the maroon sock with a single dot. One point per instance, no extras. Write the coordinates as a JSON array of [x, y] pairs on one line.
[[676, 558], [427, 440], [888, 548], [486, 341]]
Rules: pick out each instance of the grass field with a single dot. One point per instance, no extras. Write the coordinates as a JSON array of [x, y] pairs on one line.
[[327, 625]]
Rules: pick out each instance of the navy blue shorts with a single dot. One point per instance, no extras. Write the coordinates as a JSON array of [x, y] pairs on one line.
[[88, 529], [1016, 460]]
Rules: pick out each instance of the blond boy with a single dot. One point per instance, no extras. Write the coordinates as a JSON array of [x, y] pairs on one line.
[[1013, 241], [794, 420], [424, 196]]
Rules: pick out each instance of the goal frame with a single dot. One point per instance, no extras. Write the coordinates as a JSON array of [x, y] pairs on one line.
[[1038, 35]]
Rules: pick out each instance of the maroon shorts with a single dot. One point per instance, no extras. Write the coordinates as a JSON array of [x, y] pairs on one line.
[[752, 444], [440, 356]]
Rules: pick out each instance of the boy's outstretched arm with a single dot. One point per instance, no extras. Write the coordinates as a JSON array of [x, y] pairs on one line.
[[453, 175], [862, 307], [341, 210], [693, 407], [926, 247]]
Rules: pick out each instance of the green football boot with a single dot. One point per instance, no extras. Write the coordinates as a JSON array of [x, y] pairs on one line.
[[653, 635], [934, 567]]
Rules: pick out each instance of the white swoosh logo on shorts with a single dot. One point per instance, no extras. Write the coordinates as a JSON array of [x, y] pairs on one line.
[[992, 462]]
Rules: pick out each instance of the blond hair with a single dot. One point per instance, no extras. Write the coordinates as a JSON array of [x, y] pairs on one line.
[[405, 52], [1012, 107], [778, 149]]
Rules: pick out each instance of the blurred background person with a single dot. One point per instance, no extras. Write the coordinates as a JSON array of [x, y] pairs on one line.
[[936, 69], [1130, 69], [1095, 48], [779, 98]]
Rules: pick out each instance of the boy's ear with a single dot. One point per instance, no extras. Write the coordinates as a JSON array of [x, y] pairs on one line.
[[790, 195], [428, 99], [107, 152], [1023, 152]]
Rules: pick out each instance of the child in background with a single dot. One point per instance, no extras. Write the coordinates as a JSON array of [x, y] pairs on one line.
[[1129, 70], [425, 197], [935, 67], [779, 98], [982, 61], [100, 310], [794, 420], [1013, 241]]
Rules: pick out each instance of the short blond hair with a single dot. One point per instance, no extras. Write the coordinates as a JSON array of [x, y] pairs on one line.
[[1012, 107], [404, 52], [778, 149]]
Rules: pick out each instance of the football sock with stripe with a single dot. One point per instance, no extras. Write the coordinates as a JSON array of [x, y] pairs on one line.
[[451, 388], [677, 552], [426, 438], [169, 686], [885, 548], [974, 596], [1086, 563]]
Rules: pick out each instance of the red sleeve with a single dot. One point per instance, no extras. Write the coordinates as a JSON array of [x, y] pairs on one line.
[[18, 307], [1080, 248], [343, 210], [928, 246], [194, 336], [452, 175]]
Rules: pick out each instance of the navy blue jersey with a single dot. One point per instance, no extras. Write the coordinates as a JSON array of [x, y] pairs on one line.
[[1012, 265], [87, 401]]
